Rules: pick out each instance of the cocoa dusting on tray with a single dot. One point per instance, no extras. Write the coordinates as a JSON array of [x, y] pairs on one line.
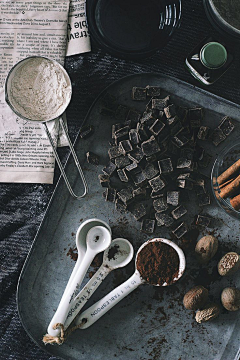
[[158, 263], [73, 255]]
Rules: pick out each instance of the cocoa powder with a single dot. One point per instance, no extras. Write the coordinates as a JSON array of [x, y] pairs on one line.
[[158, 263]]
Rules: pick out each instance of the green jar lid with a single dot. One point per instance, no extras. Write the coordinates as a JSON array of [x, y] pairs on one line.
[[213, 55]]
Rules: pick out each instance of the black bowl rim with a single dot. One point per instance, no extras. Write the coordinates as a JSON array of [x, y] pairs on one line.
[[120, 53]]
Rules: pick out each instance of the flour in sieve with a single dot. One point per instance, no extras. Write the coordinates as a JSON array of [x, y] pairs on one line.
[[40, 89]]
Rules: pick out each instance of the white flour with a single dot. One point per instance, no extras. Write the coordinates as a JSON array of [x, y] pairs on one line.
[[39, 89]]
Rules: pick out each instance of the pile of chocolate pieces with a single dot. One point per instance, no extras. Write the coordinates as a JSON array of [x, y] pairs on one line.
[[157, 159]]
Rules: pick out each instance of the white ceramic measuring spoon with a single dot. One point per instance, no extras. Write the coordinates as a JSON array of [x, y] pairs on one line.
[[118, 255], [81, 244], [98, 239], [101, 307]]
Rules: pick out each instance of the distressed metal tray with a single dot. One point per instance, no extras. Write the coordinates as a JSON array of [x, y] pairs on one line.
[[151, 323]]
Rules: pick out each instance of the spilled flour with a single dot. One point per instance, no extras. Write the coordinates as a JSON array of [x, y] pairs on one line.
[[39, 89]]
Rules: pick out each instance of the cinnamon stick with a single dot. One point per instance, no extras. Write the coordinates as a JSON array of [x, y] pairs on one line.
[[226, 183], [229, 173], [231, 189], [235, 202]]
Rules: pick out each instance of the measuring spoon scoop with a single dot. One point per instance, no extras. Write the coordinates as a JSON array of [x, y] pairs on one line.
[[98, 239], [118, 255], [97, 310]]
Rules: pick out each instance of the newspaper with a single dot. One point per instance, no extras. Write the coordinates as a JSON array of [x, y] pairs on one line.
[[78, 39], [28, 27]]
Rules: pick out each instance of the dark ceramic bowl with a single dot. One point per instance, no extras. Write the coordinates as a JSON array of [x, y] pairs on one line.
[[132, 28]]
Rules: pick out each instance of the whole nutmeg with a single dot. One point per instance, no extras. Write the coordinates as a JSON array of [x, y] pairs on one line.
[[230, 298], [195, 298], [229, 264], [206, 248], [210, 312]]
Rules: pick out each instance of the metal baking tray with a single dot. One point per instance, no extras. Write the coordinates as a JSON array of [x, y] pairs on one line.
[[151, 323]]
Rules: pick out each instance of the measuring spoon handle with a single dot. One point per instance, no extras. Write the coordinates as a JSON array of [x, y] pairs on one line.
[[101, 307], [65, 303], [85, 294]]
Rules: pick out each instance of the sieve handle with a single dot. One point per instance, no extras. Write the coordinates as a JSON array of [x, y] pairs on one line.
[[101, 307], [74, 157]]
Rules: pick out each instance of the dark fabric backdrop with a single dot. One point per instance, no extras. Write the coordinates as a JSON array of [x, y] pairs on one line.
[[22, 206]]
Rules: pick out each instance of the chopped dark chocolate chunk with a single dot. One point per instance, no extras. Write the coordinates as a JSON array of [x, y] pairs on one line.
[[173, 148], [142, 132], [104, 180], [180, 230], [125, 146], [204, 199], [129, 123], [153, 91], [114, 152], [187, 153], [160, 204], [157, 183], [173, 198], [184, 184], [133, 168], [139, 93], [122, 175], [183, 115], [86, 131], [205, 160], [165, 166], [156, 195], [115, 127], [122, 161], [121, 112], [217, 136], [183, 163], [203, 133], [147, 226], [146, 116], [133, 136], [133, 115], [157, 127], [139, 179], [200, 189], [109, 169], [120, 206], [195, 114], [150, 146], [92, 158], [136, 155], [184, 176], [140, 193], [139, 211], [163, 219], [203, 220], [226, 125], [176, 128], [150, 171], [180, 139], [121, 134], [111, 194], [170, 111], [151, 158], [160, 104], [125, 195], [179, 212]]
